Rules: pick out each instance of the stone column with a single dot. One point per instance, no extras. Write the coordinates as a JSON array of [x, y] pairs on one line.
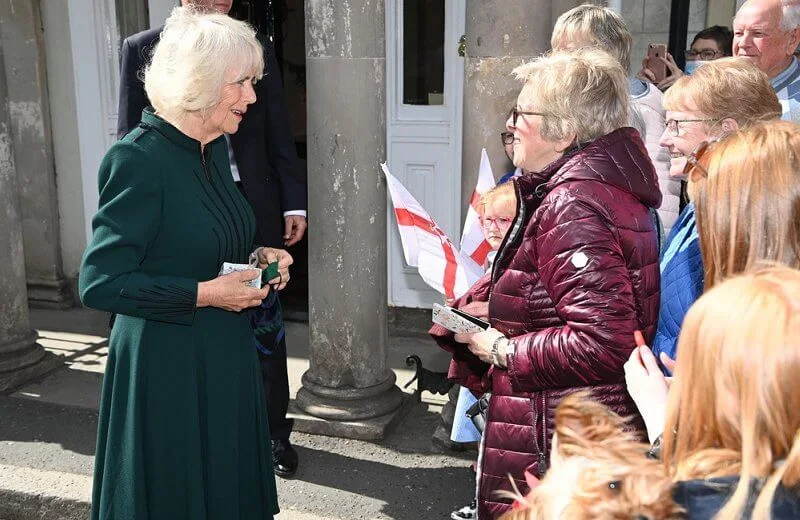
[[21, 358], [349, 384], [23, 47], [498, 40]]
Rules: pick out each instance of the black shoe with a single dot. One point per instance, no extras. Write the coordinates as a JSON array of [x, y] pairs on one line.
[[284, 458]]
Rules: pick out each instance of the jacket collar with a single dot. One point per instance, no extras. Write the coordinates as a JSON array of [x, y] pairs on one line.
[[163, 127], [618, 158]]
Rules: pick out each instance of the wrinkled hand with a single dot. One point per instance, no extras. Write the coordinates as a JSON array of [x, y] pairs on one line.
[[649, 388], [673, 73], [267, 255], [478, 309], [295, 228], [229, 292], [480, 344]]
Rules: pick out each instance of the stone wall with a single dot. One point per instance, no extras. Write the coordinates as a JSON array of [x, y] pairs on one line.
[[648, 21]]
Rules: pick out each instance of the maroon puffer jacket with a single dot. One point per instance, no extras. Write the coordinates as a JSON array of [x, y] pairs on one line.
[[576, 275]]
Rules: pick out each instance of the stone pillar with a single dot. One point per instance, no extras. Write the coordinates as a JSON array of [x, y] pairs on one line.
[[21, 358], [349, 384], [23, 47], [498, 40]]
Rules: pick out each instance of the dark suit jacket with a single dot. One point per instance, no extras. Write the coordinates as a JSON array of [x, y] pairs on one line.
[[263, 146]]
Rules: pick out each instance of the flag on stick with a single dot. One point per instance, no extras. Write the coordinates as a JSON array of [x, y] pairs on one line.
[[473, 244], [427, 247]]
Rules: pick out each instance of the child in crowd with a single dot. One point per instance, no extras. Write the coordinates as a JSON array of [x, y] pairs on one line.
[[498, 209]]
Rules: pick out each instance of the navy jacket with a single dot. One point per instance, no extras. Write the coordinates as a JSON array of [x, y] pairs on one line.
[[702, 499], [682, 281], [263, 147]]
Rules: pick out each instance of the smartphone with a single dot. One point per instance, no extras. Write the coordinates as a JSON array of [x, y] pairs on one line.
[[656, 66]]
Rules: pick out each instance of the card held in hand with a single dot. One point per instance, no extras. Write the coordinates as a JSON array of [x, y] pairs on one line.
[[457, 321], [228, 267]]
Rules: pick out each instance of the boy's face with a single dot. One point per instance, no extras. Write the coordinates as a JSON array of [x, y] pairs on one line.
[[496, 220]]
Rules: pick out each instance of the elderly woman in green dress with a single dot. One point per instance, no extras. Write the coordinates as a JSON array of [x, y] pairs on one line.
[[183, 429]]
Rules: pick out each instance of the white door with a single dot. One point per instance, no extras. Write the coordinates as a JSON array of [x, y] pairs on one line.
[[95, 51], [424, 87]]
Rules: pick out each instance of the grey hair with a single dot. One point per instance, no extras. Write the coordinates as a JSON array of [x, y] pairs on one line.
[[195, 51], [594, 25], [582, 92], [791, 15]]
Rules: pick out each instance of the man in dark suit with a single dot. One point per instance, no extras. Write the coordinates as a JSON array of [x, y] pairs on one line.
[[264, 166]]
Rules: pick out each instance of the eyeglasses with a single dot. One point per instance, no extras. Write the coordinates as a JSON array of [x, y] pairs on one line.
[[500, 222], [507, 137], [693, 160], [705, 54], [674, 128], [516, 112]]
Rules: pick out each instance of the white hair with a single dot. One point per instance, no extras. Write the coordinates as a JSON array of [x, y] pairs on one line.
[[791, 15], [195, 51]]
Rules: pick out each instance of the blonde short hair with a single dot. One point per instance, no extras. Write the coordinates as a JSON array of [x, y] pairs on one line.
[[592, 25], [582, 92], [726, 88], [502, 193], [189, 62]]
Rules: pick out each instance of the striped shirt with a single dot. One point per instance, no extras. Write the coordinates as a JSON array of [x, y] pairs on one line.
[[787, 87]]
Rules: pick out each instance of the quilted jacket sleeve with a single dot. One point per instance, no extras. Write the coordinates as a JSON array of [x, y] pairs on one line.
[[466, 369], [581, 265]]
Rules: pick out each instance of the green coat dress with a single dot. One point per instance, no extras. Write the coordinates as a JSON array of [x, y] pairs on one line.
[[183, 430]]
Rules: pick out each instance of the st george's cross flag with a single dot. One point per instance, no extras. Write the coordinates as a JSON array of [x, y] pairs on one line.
[[427, 247], [473, 244]]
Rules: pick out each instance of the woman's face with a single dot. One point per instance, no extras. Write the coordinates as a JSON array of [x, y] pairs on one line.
[[237, 94], [682, 135], [532, 152], [496, 219]]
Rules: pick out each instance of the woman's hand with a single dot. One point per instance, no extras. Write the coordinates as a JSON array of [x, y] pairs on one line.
[[480, 344], [229, 291], [267, 255], [673, 73], [649, 388], [646, 74], [478, 309]]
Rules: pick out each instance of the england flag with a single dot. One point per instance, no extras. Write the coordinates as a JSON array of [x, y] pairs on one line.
[[473, 245], [427, 247]]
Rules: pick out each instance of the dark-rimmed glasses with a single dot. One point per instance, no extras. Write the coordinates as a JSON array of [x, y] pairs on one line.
[[705, 54], [694, 158], [507, 137], [673, 125], [516, 112]]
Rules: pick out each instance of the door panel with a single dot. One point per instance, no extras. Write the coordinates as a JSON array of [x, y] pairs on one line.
[[425, 78]]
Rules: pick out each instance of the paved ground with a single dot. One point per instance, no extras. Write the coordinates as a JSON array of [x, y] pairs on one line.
[[47, 436]]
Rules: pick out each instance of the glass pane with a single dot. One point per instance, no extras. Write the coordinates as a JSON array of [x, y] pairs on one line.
[[423, 52]]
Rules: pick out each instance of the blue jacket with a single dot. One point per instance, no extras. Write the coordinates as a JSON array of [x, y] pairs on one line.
[[702, 499], [681, 280]]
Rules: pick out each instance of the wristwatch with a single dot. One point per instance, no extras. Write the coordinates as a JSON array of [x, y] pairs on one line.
[[496, 351]]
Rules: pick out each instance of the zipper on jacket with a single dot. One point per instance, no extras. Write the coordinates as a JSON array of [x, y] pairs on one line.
[[542, 461], [205, 166]]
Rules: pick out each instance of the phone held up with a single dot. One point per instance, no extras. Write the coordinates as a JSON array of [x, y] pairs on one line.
[[656, 66]]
